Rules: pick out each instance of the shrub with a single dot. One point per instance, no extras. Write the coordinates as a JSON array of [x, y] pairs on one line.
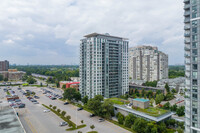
[[68, 117], [54, 107], [50, 105], [63, 113], [58, 110]]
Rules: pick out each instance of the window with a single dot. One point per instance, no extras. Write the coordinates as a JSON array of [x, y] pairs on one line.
[[194, 45], [194, 52], [194, 2], [194, 30], [194, 75], [194, 37], [194, 66], [194, 23]]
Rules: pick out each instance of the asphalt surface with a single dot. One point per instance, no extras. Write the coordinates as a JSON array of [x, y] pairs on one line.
[[34, 120]]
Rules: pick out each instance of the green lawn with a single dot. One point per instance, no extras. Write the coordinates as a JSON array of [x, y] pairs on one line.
[[152, 111], [119, 101]]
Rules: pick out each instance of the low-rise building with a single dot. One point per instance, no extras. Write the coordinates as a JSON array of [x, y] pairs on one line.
[[12, 74], [133, 87], [140, 103], [70, 84]]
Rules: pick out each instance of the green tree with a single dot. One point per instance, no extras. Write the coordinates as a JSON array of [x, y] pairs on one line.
[[98, 97], [31, 80], [162, 127], [180, 111], [64, 86], [50, 105], [179, 130], [143, 92], [167, 88], [151, 101], [139, 125], [159, 98], [1, 77], [85, 99], [107, 109], [120, 118], [129, 120], [95, 106], [82, 121], [151, 128], [54, 107], [173, 90], [58, 110], [71, 93], [63, 113], [92, 127], [166, 105], [68, 117], [174, 107]]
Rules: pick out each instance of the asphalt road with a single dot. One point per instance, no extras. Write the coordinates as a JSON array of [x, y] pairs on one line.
[[101, 127]]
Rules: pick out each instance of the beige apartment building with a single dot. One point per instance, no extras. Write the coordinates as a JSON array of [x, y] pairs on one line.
[[147, 63]]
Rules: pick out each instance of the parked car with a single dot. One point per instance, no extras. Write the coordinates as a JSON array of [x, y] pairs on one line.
[[22, 105], [53, 98], [92, 115], [80, 109], [47, 110], [66, 103], [63, 123], [101, 120], [35, 102], [36, 97], [17, 100]]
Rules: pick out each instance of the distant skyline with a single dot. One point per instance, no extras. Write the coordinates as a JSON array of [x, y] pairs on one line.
[[49, 32]]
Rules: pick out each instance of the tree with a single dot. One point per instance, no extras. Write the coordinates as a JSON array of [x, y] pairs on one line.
[[167, 88], [58, 110], [68, 117], [54, 107], [173, 90], [107, 109], [1, 77], [159, 98], [82, 121], [179, 130], [98, 97], [162, 127], [64, 86], [85, 99], [139, 125], [174, 107], [79, 132], [129, 120], [31, 80], [151, 101], [151, 128], [71, 93], [180, 111], [63, 113], [120, 118], [167, 105], [50, 105], [92, 127], [143, 92], [95, 106], [150, 94], [5, 79]]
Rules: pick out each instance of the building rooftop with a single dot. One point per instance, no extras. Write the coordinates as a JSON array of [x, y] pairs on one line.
[[141, 86], [106, 35], [144, 115], [141, 99], [9, 121]]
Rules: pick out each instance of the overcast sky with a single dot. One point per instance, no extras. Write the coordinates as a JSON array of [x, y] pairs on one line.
[[49, 31]]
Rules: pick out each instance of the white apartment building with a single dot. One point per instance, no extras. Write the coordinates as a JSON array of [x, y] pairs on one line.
[[147, 63], [103, 65]]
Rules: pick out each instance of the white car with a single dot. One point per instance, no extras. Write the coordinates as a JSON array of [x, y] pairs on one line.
[[47, 110], [63, 123]]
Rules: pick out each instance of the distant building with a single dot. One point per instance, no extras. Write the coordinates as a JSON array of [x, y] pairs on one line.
[[75, 79], [147, 63], [177, 83], [133, 87], [12, 74], [4, 65], [103, 65], [70, 84]]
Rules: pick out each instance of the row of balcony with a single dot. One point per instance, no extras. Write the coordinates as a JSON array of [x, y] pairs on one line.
[[186, 1], [186, 6]]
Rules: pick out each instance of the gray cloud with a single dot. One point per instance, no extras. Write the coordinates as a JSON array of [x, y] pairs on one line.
[[49, 32]]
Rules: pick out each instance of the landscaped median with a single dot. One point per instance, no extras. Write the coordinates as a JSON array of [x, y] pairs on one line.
[[72, 125]]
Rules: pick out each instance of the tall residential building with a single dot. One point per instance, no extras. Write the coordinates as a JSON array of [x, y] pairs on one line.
[[4, 65], [192, 65], [103, 65], [147, 63]]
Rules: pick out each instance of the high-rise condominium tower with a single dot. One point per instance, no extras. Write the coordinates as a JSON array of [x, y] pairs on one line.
[[103, 65], [192, 65], [147, 63], [4, 65]]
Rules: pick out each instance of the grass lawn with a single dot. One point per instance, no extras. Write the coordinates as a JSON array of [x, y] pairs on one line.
[[119, 101], [152, 111], [92, 132]]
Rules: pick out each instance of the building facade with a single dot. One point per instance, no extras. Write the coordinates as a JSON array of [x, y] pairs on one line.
[[192, 67], [147, 63], [103, 65], [4, 65]]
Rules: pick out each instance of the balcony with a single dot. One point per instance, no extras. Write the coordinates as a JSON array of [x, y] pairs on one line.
[[186, 1], [186, 20], [187, 13], [186, 27], [187, 34], [187, 6], [187, 41], [187, 48]]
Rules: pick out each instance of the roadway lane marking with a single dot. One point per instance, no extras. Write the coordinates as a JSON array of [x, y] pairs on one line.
[[30, 125]]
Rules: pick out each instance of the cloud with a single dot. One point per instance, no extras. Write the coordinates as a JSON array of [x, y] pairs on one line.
[[49, 32]]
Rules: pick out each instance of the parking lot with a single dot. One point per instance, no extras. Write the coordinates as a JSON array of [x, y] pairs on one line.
[[36, 121]]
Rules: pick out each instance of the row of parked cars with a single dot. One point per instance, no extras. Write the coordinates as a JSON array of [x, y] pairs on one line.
[[51, 95], [32, 100], [13, 99]]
